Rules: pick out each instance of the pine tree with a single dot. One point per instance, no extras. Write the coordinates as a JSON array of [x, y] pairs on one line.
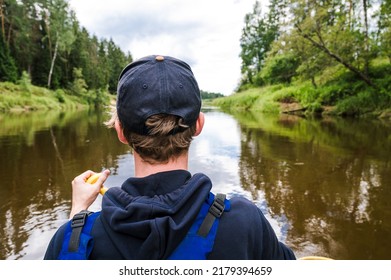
[[8, 70]]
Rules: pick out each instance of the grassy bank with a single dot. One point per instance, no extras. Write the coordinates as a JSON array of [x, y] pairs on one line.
[[337, 93], [27, 97]]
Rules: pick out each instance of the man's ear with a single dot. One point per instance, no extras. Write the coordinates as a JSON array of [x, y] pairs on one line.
[[199, 124], [120, 132]]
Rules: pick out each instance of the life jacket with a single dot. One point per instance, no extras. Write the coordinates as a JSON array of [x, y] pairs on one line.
[[197, 244]]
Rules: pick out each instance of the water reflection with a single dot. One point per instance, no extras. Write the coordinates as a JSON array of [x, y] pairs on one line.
[[323, 184], [329, 178], [41, 154]]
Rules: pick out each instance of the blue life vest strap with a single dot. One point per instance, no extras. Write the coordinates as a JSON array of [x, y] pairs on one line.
[[78, 242], [199, 240], [215, 211], [77, 224]]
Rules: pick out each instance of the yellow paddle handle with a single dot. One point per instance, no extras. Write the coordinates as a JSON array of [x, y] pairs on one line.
[[93, 178]]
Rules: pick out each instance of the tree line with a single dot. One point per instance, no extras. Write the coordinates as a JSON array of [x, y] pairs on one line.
[[210, 95], [305, 39], [44, 40]]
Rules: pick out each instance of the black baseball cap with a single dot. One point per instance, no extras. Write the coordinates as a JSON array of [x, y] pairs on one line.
[[153, 85]]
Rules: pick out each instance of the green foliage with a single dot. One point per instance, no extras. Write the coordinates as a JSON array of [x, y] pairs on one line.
[[238, 101], [59, 94], [293, 93], [381, 69], [49, 43], [279, 69], [328, 56], [258, 34], [327, 51], [79, 85], [25, 83], [314, 108], [256, 99], [8, 71], [356, 105], [102, 97], [384, 25]]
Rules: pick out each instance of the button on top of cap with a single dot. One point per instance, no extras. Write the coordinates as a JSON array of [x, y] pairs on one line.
[[159, 58]]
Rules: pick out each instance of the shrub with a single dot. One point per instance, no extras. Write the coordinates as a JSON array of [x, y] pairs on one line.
[[361, 103], [280, 69], [25, 84], [59, 94]]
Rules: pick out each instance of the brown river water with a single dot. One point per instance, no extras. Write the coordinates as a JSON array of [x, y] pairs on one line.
[[324, 185]]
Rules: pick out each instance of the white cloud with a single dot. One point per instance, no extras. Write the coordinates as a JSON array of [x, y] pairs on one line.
[[204, 33]]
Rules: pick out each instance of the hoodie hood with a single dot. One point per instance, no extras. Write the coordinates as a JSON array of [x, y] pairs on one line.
[[148, 217]]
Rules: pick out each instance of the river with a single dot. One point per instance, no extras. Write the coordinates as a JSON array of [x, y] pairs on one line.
[[324, 184]]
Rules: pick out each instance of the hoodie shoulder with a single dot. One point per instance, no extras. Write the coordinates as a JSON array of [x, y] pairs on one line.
[[248, 233]]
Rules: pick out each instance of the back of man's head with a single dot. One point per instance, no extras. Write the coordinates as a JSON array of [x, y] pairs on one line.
[[158, 104]]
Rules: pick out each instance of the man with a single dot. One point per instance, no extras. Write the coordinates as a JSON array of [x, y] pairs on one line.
[[162, 211]]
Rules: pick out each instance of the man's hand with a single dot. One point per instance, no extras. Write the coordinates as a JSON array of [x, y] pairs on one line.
[[83, 193]]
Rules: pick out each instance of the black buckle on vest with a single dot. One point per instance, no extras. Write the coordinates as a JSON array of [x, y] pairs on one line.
[[215, 211], [78, 221], [218, 206]]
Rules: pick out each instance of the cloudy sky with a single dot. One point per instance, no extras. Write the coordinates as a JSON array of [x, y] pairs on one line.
[[204, 33]]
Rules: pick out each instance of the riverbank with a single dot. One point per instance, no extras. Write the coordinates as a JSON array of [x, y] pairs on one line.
[[26, 97], [278, 99], [340, 94]]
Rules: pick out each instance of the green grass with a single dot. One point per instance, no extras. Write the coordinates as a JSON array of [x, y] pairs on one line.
[[256, 99], [27, 97]]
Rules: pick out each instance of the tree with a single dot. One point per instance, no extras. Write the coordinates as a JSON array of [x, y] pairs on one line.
[[324, 26], [258, 34], [384, 28], [117, 61], [58, 25], [280, 68], [79, 86], [366, 5], [253, 51], [21, 32], [8, 70], [79, 56], [2, 16]]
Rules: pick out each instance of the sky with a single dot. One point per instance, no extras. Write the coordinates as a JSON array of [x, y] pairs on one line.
[[203, 33]]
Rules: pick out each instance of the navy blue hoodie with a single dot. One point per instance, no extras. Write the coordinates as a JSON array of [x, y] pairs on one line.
[[148, 217]]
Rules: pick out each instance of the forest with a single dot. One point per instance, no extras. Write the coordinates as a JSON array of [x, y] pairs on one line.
[[43, 44], [45, 39], [315, 54]]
